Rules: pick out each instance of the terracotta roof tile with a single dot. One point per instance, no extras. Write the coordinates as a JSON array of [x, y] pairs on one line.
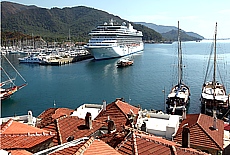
[[16, 135], [68, 151], [48, 116], [53, 128], [126, 108], [93, 146], [115, 138], [74, 126], [138, 142], [201, 131], [117, 111], [13, 127]]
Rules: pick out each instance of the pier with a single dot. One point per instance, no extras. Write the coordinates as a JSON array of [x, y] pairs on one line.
[[62, 61]]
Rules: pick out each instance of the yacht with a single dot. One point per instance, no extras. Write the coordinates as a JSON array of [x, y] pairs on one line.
[[32, 58], [112, 41], [178, 98], [214, 98]]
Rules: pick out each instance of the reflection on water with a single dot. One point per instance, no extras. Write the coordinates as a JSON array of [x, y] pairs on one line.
[[92, 81]]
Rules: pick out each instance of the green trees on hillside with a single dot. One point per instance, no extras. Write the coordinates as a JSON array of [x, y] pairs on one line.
[[55, 24]]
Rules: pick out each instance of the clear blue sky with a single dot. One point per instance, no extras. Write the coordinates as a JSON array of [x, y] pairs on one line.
[[198, 16]]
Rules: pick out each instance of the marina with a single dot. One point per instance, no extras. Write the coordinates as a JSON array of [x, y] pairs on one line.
[[91, 81]]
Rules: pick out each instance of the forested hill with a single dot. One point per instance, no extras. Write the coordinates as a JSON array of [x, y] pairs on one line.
[[56, 23]]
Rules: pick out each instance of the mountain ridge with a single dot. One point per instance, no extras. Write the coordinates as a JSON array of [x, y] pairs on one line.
[[55, 24], [164, 30]]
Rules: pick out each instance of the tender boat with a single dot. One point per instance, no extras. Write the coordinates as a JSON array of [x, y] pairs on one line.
[[124, 62], [214, 98], [113, 41], [178, 98]]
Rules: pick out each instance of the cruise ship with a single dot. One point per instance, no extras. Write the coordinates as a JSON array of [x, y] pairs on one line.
[[112, 41]]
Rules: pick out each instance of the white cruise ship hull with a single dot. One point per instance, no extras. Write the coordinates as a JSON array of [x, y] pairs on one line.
[[108, 52]]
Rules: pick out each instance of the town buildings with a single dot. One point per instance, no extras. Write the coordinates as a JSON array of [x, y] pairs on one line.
[[117, 128]]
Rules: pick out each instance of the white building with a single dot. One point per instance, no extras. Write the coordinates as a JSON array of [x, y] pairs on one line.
[[158, 124]]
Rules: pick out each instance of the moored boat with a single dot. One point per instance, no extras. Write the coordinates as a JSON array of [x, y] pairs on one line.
[[214, 98], [112, 41], [178, 98], [8, 86], [32, 58]]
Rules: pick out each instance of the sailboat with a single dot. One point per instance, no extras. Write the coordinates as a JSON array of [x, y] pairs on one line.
[[214, 98], [8, 86], [178, 98]]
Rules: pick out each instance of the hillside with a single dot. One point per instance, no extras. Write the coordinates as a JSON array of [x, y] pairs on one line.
[[167, 31], [55, 24]]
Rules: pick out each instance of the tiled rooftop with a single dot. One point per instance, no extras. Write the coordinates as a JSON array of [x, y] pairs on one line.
[[118, 112], [74, 126], [16, 135], [202, 132], [95, 146], [13, 127], [142, 143], [48, 116], [69, 150]]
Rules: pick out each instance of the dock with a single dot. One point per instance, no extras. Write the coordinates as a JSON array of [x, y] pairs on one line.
[[67, 60]]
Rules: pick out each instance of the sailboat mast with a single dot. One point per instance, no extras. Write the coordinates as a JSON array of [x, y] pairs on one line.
[[214, 71], [179, 57]]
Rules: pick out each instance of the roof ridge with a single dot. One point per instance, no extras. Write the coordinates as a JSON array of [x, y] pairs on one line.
[[8, 123], [49, 133], [123, 142], [82, 149], [120, 108], [58, 131], [134, 144]]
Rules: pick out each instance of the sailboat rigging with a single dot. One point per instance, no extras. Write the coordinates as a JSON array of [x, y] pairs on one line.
[[214, 98], [8, 87], [178, 98]]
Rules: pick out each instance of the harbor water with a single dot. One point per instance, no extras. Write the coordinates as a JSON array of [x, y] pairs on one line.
[[144, 84]]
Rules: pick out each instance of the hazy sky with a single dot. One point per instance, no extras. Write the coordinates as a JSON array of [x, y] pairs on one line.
[[198, 16]]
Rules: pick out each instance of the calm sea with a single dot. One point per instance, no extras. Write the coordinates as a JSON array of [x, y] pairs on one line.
[[90, 81]]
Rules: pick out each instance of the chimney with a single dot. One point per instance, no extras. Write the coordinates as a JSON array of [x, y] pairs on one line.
[[214, 120], [183, 113], [88, 120], [104, 105], [111, 126], [30, 118], [186, 137]]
